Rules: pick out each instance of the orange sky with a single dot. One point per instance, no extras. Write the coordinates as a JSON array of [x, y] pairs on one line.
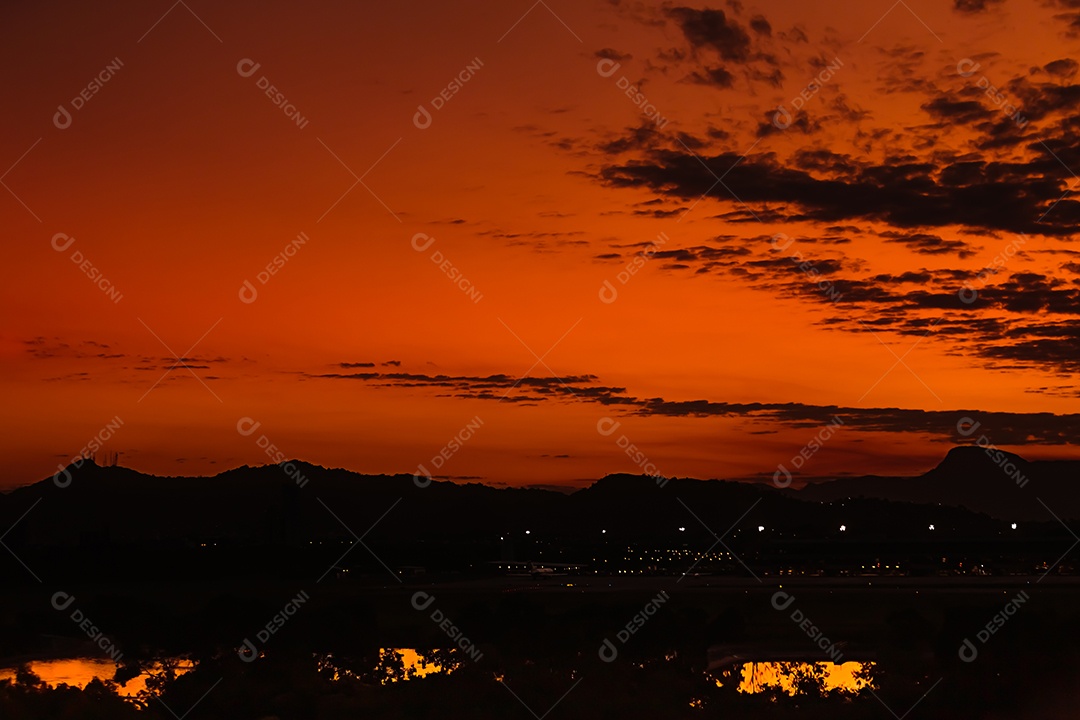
[[898, 179]]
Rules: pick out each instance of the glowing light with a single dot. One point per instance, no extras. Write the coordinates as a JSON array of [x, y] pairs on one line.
[[1014, 526], [931, 527], [843, 528], [760, 528], [849, 677]]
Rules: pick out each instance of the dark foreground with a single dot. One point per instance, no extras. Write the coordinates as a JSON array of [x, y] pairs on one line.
[[551, 646]]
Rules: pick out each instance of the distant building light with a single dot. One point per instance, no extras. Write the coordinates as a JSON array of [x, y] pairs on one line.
[[843, 528], [529, 533], [760, 528], [682, 529], [931, 527], [1014, 526]]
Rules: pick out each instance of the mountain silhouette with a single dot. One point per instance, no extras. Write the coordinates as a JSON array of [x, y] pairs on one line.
[[269, 504], [1000, 484]]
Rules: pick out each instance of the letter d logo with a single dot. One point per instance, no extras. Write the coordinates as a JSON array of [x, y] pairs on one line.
[[247, 651], [246, 426], [62, 241], [423, 238], [968, 294], [62, 600], [607, 68], [605, 426], [782, 600], [422, 600], [608, 652], [422, 118], [781, 472], [248, 293], [967, 67], [421, 470], [61, 470], [967, 426], [608, 293], [781, 118], [62, 118], [968, 652], [781, 241], [247, 67]]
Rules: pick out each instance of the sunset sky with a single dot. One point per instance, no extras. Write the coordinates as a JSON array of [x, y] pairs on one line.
[[807, 193]]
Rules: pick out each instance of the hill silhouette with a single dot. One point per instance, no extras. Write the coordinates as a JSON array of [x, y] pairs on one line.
[[262, 505], [1000, 484]]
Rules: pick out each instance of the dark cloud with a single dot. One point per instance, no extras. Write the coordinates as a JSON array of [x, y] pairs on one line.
[[709, 28], [976, 194], [1063, 68], [716, 76], [965, 111], [971, 7], [941, 425], [928, 244], [760, 25], [610, 54]]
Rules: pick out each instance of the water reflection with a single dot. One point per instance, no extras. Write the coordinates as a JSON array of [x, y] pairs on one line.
[[803, 677], [79, 671], [413, 663], [392, 665]]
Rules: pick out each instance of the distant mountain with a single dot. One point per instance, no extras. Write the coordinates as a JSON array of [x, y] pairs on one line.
[[1000, 484], [301, 503]]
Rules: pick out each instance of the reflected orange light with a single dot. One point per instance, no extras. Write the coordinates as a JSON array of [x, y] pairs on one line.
[[849, 677], [78, 672]]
